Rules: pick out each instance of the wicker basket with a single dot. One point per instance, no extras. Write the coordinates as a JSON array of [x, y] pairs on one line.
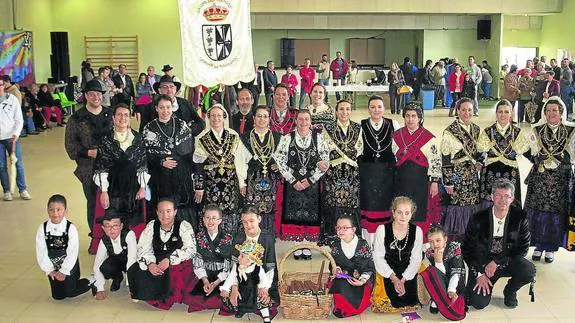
[[304, 307]]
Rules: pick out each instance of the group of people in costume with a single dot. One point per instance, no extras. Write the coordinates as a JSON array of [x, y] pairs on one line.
[[192, 214]]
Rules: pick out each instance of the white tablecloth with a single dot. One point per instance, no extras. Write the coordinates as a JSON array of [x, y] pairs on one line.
[[357, 88]]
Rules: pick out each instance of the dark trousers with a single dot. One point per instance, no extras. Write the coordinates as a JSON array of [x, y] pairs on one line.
[[521, 111], [269, 99], [90, 194], [521, 271], [456, 96], [538, 111], [72, 286], [113, 267]]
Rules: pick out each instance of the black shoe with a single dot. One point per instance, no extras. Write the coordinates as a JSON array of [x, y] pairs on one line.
[[34, 133], [509, 298], [83, 285], [239, 315], [537, 257], [23, 135], [433, 310], [297, 255], [306, 254], [94, 289], [267, 320], [116, 283]]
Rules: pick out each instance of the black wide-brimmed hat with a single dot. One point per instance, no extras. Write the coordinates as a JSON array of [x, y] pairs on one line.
[[167, 79], [93, 85], [167, 68]]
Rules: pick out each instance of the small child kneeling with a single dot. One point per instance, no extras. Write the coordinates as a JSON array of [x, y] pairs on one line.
[[57, 252]]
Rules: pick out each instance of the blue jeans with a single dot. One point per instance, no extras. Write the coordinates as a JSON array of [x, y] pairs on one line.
[[486, 90], [567, 98], [6, 150], [28, 125], [324, 82], [302, 96]]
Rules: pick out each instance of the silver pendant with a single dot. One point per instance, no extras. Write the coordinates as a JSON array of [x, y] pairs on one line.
[[302, 171], [171, 146], [378, 147], [220, 152], [170, 140], [377, 155]]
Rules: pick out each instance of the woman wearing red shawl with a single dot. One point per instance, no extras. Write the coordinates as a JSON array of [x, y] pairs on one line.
[[418, 167]]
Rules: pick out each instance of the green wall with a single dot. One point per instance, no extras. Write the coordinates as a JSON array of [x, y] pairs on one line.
[[557, 31], [459, 43], [398, 43], [521, 37]]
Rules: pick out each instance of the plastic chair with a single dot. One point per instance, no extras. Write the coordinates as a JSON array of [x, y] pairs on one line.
[[66, 104]]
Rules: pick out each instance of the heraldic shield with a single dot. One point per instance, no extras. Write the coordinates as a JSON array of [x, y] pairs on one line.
[[217, 41]]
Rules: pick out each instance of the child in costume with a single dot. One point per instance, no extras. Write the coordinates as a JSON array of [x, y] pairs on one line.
[[57, 252], [117, 251], [444, 278]]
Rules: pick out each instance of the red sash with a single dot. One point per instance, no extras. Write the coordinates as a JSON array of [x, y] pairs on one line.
[[410, 146], [454, 311]]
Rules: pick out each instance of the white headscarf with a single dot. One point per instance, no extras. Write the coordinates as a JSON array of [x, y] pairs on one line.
[[564, 121]]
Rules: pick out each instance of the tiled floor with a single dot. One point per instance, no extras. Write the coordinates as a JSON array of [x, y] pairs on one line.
[[25, 295]]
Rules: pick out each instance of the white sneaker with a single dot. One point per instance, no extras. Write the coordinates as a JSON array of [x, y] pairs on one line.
[[25, 195], [8, 196]]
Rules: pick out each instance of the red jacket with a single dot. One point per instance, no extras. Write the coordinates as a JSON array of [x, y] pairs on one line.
[[452, 79], [291, 82], [334, 68], [307, 76]]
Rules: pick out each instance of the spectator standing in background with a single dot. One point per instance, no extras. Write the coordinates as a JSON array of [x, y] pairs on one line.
[[270, 81], [338, 68], [475, 72], [307, 75]]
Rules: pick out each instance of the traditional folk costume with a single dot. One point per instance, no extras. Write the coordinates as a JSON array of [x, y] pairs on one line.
[[113, 258], [171, 139], [548, 186], [57, 250], [418, 165], [354, 259], [263, 274], [459, 159], [263, 177], [341, 182], [321, 116], [447, 276], [282, 123], [178, 245], [376, 174], [121, 169], [298, 158], [501, 147], [399, 257], [504, 241], [223, 158], [213, 261]]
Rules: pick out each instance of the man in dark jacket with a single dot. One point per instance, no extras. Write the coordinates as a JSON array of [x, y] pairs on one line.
[[270, 81], [86, 129], [123, 82], [495, 246], [255, 86], [182, 108]]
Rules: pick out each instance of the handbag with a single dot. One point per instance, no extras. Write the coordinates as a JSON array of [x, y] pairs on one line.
[[530, 109], [405, 89]]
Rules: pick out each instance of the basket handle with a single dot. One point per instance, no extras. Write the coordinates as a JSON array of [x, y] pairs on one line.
[[311, 246]]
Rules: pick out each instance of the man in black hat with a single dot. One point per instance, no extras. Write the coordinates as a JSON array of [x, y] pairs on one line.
[[85, 130], [117, 251], [181, 108]]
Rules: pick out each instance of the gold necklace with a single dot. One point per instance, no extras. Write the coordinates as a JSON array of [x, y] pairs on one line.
[[262, 153], [219, 152], [117, 137]]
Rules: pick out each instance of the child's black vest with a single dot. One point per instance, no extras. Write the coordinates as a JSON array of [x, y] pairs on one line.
[[165, 249], [56, 246]]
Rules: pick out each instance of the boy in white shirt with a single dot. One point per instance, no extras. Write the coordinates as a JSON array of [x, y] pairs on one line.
[[57, 252]]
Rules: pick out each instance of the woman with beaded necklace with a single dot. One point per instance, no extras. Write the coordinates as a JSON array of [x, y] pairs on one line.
[[461, 163], [263, 177], [222, 156], [282, 117], [322, 114], [169, 147], [121, 168], [341, 181], [501, 143], [376, 168], [303, 158], [547, 200], [418, 167], [397, 254]]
